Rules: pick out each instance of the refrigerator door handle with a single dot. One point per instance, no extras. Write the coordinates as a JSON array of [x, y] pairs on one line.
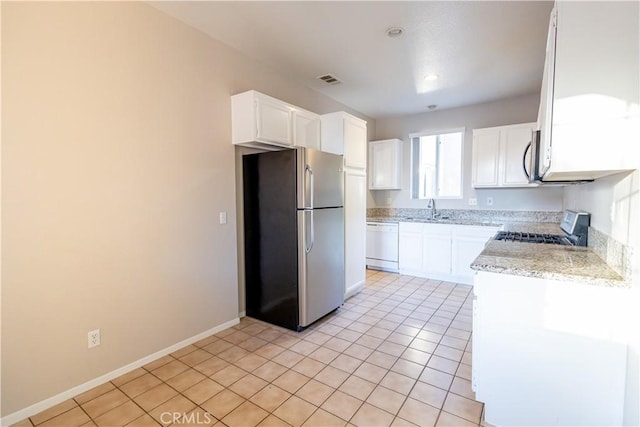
[[311, 184], [311, 232]]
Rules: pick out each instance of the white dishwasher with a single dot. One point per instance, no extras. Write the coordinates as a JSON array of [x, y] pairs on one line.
[[382, 246]]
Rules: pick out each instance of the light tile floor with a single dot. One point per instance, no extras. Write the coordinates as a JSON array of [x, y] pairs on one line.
[[398, 353]]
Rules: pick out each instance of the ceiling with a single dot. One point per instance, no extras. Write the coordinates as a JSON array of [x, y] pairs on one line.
[[480, 50]]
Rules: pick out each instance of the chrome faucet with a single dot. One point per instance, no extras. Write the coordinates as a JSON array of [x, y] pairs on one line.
[[431, 206]]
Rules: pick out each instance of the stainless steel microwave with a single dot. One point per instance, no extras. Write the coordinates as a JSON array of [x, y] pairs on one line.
[[533, 166]]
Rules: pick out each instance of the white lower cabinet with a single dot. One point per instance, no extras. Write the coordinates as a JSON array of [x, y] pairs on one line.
[[441, 251], [467, 241], [436, 254], [410, 260], [550, 352]]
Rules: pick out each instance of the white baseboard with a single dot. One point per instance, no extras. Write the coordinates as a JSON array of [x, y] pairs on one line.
[[463, 280], [68, 394], [354, 289], [242, 314]]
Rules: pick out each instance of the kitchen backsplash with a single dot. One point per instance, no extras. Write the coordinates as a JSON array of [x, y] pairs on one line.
[[469, 214], [617, 255]]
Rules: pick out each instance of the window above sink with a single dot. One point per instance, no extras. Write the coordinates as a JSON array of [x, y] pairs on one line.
[[436, 164]]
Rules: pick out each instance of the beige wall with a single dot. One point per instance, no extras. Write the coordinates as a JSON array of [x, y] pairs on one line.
[[522, 109], [116, 160]]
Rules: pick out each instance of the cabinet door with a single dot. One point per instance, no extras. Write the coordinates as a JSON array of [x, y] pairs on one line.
[[466, 244], [355, 228], [385, 160], [514, 143], [306, 130], [273, 122], [486, 155], [436, 253], [410, 247], [355, 143], [545, 112], [465, 250]]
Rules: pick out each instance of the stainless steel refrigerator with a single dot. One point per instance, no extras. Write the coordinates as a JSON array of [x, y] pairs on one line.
[[293, 235]]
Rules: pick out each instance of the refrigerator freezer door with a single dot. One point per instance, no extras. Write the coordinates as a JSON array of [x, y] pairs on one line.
[[320, 179], [321, 270]]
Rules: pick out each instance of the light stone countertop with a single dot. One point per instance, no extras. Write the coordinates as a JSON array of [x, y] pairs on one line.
[[546, 261], [460, 221]]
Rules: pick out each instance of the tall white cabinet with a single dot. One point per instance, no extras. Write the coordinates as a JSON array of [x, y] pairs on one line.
[[342, 133]]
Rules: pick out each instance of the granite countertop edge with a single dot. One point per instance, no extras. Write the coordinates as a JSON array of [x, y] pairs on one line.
[[603, 274], [453, 221], [478, 265], [552, 262]]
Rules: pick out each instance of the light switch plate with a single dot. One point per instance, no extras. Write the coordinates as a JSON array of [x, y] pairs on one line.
[[473, 202], [223, 217]]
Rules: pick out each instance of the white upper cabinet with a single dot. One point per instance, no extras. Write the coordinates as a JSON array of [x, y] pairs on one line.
[[342, 133], [385, 164], [590, 101], [499, 156], [306, 129], [258, 119]]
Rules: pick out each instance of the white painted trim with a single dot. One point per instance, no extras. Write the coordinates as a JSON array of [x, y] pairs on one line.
[[65, 395], [242, 314], [354, 289]]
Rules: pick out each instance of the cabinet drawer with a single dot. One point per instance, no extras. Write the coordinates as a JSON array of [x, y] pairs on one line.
[[437, 229], [410, 227]]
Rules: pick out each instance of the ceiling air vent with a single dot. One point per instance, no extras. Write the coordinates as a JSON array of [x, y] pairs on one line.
[[329, 79]]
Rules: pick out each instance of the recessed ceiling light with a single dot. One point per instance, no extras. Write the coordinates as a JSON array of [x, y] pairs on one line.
[[431, 77], [395, 32]]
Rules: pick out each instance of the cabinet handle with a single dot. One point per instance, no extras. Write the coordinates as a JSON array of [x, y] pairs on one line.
[[524, 160]]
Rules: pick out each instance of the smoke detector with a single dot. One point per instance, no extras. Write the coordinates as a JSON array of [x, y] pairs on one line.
[[330, 79]]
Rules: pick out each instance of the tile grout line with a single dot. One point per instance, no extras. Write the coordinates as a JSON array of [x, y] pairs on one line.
[[379, 298]]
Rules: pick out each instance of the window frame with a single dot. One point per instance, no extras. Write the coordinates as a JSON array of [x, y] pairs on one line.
[[415, 170]]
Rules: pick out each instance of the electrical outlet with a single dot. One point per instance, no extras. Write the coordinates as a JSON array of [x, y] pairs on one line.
[[93, 338], [489, 201], [473, 202], [389, 201]]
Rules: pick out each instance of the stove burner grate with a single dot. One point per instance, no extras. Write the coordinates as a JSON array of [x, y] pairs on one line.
[[514, 236]]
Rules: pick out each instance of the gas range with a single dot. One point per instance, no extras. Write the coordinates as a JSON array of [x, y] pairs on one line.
[[515, 236], [574, 224]]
